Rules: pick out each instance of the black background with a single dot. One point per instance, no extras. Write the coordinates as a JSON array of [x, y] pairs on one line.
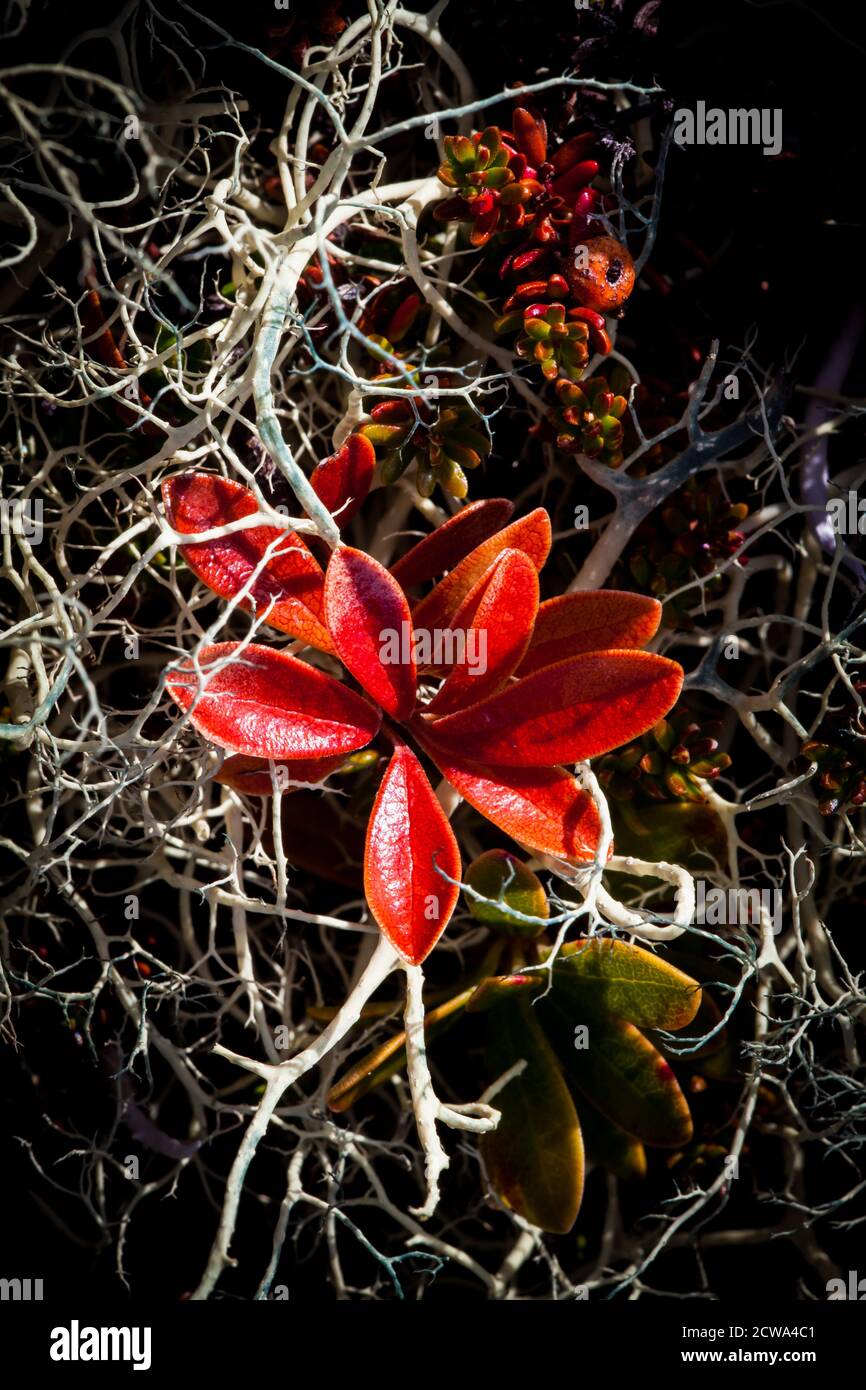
[[783, 238]]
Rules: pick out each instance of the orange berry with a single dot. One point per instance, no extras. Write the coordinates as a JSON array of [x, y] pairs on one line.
[[601, 274]]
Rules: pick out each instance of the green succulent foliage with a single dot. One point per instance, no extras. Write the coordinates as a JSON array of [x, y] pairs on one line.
[[578, 1028], [664, 763], [558, 344], [691, 537], [473, 165], [512, 893], [194, 359], [588, 420], [839, 750], [655, 791], [442, 441]]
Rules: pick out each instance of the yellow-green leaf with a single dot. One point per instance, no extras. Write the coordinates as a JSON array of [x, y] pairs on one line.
[[618, 978], [512, 890], [609, 1145], [620, 1072], [498, 988], [534, 1158], [682, 832]]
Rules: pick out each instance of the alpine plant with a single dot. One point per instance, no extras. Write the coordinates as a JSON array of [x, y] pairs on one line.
[[565, 680]]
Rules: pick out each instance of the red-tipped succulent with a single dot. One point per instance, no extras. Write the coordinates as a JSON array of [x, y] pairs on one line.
[[506, 182], [443, 440], [503, 180], [560, 682], [556, 341], [589, 420]]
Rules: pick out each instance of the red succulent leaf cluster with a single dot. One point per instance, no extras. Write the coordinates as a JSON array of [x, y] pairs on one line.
[[444, 440], [503, 180], [564, 680]]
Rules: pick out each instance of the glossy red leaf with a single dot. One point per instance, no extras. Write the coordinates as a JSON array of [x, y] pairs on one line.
[[565, 713], [369, 620], [577, 177], [531, 534], [530, 135], [484, 226], [588, 621], [253, 775], [408, 837], [574, 150], [342, 481], [452, 541], [543, 808], [267, 704], [292, 579], [497, 617]]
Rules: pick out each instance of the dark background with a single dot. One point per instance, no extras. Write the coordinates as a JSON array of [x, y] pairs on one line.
[[746, 242]]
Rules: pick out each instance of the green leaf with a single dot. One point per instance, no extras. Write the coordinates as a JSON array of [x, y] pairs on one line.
[[688, 833], [491, 138], [610, 1146], [505, 879], [621, 1073], [384, 436], [618, 978], [460, 150], [498, 988], [390, 1058], [534, 1158]]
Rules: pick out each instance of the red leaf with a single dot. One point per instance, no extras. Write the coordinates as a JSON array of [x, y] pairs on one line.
[[407, 838], [197, 502], [342, 481], [106, 349], [530, 534], [498, 616], [484, 226], [589, 621], [572, 151], [576, 178], [253, 775], [565, 713], [451, 541], [267, 704], [530, 135], [370, 623], [402, 318], [543, 808]]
